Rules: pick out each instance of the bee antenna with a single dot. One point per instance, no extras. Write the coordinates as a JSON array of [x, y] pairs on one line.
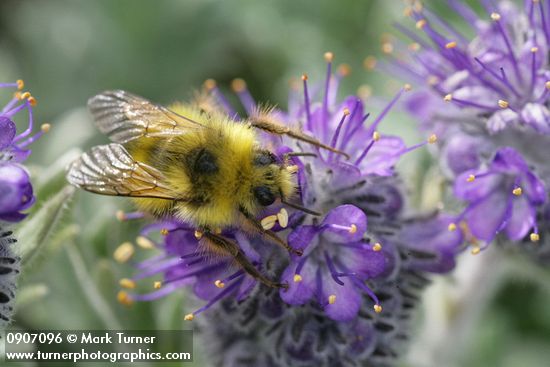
[[301, 208]]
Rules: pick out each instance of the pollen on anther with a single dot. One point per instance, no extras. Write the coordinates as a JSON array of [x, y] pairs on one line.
[[344, 69], [503, 104], [164, 232], [189, 317], [352, 229], [329, 56], [268, 222], [377, 247], [432, 139], [297, 278], [144, 242], [407, 87], [24, 95], [120, 215], [495, 16], [45, 127], [451, 227], [304, 77], [547, 85], [387, 47], [471, 178], [238, 85], [450, 45], [127, 283], [124, 299], [421, 23], [517, 191], [476, 250], [198, 235], [414, 46], [219, 284], [377, 308], [346, 112], [376, 136], [534, 49], [210, 84], [369, 63], [20, 84], [282, 217], [124, 252], [534, 237], [157, 285], [331, 299], [448, 98]]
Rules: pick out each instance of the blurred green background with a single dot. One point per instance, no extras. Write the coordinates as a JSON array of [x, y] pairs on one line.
[[67, 51]]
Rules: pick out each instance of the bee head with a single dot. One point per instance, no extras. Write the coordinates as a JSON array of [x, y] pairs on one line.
[[274, 182]]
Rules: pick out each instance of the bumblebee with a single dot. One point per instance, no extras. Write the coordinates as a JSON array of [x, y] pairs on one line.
[[198, 166]]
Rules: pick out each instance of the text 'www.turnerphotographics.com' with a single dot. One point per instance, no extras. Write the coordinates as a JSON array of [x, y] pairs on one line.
[[98, 345]]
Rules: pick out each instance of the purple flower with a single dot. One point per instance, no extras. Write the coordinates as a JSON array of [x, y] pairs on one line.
[[16, 192]]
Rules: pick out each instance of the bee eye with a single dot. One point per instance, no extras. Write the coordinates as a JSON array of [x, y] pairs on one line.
[[264, 158], [264, 195]]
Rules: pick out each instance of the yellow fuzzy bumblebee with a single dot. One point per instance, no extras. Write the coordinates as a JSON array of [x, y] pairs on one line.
[[198, 166]]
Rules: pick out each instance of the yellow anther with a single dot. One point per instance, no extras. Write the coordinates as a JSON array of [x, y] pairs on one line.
[[329, 56], [352, 229], [451, 227], [451, 44], [547, 85], [414, 47], [45, 128], [364, 91], [376, 136], [517, 191], [144, 242], [387, 47], [164, 231], [127, 283], [476, 250], [120, 215], [210, 84], [157, 285], [331, 299], [20, 84], [198, 235], [407, 87], [304, 77], [369, 63], [268, 222], [377, 308], [124, 299], [448, 98], [421, 23], [534, 49], [534, 237], [297, 278], [292, 169], [432, 139], [124, 252], [346, 112], [219, 284], [32, 101], [189, 317], [495, 16], [432, 80], [344, 69], [407, 11], [377, 247], [503, 104], [471, 178], [282, 217], [24, 95], [238, 85]]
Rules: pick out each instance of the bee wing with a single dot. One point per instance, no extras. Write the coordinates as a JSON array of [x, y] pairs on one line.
[[123, 117], [110, 170]]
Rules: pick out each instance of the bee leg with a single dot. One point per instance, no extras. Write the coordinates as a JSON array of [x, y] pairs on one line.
[[233, 249], [270, 235]]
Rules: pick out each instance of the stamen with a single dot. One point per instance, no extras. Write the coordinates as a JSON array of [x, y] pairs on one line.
[[451, 227], [432, 139], [44, 128], [297, 278], [306, 101], [344, 70], [157, 285], [534, 237], [189, 317], [219, 284], [503, 104], [421, 23], [20, 84], [145, 243], [239, 86], [124, 252], [517, 191], [471, 178], [124, 299], [377, 308], [450, 45], [198, 235], [345, 114], [127, 283], [211, 86], [351, 228], [164, 231], [122, 216], [329, 57], [377, 247], [331, 299], [282, 217], [268, 222]]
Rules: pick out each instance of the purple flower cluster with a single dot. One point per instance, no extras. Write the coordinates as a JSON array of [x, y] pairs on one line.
[[488, 100], [348, 271], [16, 193]]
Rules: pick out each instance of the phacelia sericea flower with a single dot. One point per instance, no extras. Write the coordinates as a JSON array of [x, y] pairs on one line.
[[487, 98], [16, 193], [358, 265]]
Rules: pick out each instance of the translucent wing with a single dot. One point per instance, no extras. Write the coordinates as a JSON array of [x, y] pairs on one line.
[[110, 170], [123, 117]]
